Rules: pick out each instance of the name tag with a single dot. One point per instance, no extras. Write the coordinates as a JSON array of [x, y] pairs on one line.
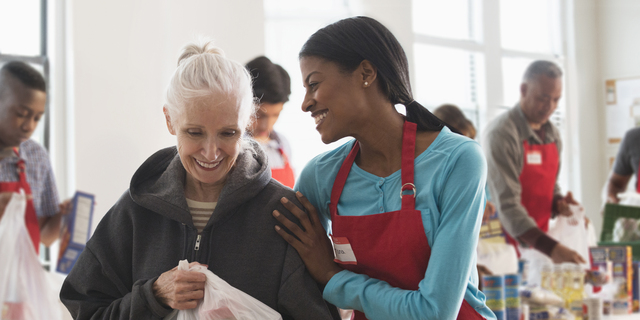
[[343, 252], [534, 157]]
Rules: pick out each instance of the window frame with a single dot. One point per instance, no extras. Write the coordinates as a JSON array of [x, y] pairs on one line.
[[489, 43]]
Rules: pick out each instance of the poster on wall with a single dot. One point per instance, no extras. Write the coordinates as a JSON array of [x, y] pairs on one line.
[[622, 111]]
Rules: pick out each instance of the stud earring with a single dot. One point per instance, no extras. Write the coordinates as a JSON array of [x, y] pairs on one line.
[[366, 83]]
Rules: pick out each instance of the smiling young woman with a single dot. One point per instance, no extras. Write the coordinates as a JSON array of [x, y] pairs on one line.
[[403, 191]]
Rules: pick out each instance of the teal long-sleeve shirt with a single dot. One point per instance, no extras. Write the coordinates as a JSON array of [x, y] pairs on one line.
[[450, 179]]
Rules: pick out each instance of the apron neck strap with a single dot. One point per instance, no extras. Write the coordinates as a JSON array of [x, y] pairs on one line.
[[408, 159], [407, 171], [341, 178]]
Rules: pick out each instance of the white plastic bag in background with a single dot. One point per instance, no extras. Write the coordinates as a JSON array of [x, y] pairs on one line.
[[629, 198], [500, 258], [223, 302], [25, 293], [572, 232]]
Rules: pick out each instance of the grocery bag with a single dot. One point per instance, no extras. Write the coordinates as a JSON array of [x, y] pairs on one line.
[[499, 257], [223, 302], [572, 232], [25, 293]]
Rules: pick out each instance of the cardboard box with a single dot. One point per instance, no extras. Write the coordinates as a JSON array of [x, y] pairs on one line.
[[599, 258], [75, 231], [636, 287], [491, 230], [621, 259]]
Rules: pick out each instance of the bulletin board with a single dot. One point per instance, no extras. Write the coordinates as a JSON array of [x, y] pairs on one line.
[[622, 111]]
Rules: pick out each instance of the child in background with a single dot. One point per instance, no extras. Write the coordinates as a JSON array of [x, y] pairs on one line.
[[271, 89], [24, 164]]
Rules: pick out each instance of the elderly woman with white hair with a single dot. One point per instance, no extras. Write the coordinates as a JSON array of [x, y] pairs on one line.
[[208, 200]]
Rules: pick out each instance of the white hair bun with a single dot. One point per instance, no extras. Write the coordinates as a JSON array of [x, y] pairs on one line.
[[204, 71], [205, 46]]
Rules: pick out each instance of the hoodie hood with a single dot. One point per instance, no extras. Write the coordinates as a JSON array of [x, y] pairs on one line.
[[158, 184]]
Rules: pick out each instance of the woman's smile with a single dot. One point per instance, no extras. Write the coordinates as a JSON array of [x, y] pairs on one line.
[[208, 166], [319, 116]]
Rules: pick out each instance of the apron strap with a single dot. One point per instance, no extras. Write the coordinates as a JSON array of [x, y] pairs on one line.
[[407, 171], [408, 159], [341, 178]]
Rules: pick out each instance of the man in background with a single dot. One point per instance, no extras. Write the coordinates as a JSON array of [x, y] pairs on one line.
[[625, 165], [523, 156]]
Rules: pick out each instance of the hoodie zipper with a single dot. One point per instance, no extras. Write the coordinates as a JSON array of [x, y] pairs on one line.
[[197, 247]]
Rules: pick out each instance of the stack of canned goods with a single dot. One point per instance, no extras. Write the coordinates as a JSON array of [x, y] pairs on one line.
[[502, 295]]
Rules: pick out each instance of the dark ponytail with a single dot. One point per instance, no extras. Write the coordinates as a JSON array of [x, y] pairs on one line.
[[350, 41], [423, 117]]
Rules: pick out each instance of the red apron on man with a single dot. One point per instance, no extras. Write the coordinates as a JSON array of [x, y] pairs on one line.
[[375, 238], [638, 180], [537, 181], [285, 174], [30, 215]]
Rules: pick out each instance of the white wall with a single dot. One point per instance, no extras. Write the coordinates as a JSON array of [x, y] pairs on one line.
[[123, 54], [606, 47], [619, 23], [585, 108]]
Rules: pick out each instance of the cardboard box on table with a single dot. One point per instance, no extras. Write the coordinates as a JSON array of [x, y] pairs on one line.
[[75, 231], [636, 287], [621, 259]]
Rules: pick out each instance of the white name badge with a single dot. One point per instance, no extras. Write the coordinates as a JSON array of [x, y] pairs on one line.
[[534, 157], [343, 252]]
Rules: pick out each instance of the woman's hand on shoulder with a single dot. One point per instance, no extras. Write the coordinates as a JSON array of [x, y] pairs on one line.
[[312, 243], [180, 289]]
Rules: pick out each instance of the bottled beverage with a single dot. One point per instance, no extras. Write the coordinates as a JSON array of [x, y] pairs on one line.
[[574, 290], [546, 277], [557, 280]]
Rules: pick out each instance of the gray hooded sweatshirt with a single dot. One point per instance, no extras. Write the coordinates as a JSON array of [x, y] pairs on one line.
[[150, 229]]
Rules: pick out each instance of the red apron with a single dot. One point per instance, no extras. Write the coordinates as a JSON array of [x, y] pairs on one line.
[[30, 215], [538, 180], [638, 180], [285, 174], [375, 239]]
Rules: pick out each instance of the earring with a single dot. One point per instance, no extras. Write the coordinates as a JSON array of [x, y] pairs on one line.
[[366, 83]]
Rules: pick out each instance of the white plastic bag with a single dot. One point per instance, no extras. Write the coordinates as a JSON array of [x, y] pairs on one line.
[[499, 257], [224, 302], [25, 293], [629, 198], [572, 232]]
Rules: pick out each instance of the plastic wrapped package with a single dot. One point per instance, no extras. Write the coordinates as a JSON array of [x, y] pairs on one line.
[[626, 229], [534, 295]]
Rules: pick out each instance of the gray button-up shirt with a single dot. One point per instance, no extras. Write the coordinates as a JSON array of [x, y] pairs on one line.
[[504, 150]]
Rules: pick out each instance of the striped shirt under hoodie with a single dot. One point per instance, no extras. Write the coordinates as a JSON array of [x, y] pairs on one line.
[[200, 213]]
